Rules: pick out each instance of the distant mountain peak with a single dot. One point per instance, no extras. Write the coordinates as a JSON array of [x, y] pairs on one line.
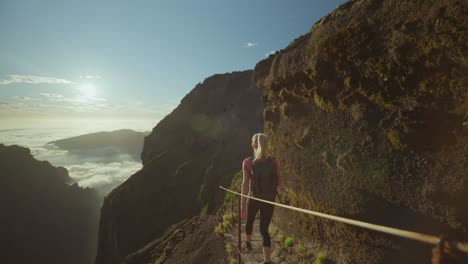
[[123, 141]]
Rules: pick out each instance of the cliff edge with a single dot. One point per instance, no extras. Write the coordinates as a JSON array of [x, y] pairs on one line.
[[44, 220]]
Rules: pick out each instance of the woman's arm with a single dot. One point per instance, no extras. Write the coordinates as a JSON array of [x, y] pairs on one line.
[[246, 165]]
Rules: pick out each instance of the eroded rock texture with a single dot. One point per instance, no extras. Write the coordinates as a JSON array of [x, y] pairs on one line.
[[367, 115], [192, 151]]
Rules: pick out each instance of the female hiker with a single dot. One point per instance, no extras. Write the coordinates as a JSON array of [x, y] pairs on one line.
[[260, 179]]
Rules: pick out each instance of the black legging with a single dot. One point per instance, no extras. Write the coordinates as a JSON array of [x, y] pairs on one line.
[[266, 212]]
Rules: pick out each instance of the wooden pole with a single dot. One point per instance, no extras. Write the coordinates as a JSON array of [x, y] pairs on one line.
[[239, 230]]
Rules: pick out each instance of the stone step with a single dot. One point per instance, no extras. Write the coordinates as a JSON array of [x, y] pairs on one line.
[[252, 257]]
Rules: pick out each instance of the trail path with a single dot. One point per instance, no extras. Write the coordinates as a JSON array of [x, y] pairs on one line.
[[279, 254]]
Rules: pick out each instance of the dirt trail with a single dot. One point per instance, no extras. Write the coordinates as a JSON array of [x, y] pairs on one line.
[[279, 254]]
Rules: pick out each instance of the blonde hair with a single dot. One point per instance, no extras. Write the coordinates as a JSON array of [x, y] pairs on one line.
[[260, 141]]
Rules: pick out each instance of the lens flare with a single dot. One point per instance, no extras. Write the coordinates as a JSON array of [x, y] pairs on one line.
[[88, 90]]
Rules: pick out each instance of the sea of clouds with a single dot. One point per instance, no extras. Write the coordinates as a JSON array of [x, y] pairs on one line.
[[95, 168]]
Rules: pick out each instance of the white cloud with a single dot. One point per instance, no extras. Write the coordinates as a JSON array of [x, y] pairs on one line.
[[81, 100], [78, 100], [50, 95], [96, 169], [97, 99], [54, 105], [271, 52], [250, 45], [90, 77], [32, 79], [103, 176], [25, 98]]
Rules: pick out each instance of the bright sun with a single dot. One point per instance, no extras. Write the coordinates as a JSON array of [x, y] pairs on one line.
[[88, 89]]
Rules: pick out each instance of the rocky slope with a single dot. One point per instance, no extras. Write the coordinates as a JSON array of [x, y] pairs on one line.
[[367, 113], [189, 241], [192, 151], [44, 220], [113, 143]]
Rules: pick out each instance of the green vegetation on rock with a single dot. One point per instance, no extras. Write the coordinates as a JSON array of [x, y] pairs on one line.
[[321, 258], [228, 209], [288, 241]]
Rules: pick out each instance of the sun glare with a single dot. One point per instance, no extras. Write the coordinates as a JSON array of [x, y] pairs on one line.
[[88, 89]]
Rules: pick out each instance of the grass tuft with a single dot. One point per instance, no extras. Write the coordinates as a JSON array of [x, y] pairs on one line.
[[288, 242], [321, 258], [395, 138], [323, 104]]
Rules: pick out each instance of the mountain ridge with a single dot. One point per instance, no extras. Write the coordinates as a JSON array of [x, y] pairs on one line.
[[116, 142], [29, 194], [199, 146]]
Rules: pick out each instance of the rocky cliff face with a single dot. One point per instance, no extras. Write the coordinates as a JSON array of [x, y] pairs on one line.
[[367, 113], [44, 220], [192, 151]]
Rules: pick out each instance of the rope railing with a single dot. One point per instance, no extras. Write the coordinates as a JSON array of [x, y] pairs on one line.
[[429, 239]]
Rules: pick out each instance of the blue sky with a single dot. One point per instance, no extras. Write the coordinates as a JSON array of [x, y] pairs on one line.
[[133, 59]]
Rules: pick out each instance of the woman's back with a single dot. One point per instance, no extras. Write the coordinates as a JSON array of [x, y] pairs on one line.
[[264, 180]]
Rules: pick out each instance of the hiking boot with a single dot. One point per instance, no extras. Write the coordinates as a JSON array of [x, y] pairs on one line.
[[248, 245]]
